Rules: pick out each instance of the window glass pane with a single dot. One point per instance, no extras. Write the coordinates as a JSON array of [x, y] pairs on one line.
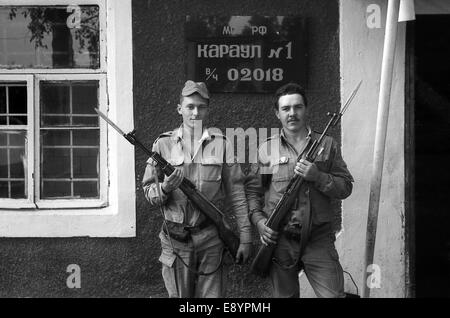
[[85, 189], [2, 99], [61, 101], [13, 101], [13, 161], [85, 163], [18, 120], [4, 189], [55, 121], [85, 121], [3, 163], [50, 36], [86, 137], [17, 99], [85, 98], [56, 189], [55, 163], [17, 189], [17, 157], [3, 138], [55, 137], [16, 138], [55, 98]]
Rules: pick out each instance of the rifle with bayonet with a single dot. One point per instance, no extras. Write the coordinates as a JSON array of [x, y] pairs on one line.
[[205, 206], [263, 259]]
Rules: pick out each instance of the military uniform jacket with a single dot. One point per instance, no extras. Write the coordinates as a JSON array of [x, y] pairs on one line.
[[214, 171], [274, 168]]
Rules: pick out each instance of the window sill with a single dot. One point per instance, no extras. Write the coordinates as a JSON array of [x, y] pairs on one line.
[[16, 204], [7, 204], [70, 204], [90, 222]]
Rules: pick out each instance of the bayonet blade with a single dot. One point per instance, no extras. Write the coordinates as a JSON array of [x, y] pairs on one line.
[[109, 121], [349, 100]]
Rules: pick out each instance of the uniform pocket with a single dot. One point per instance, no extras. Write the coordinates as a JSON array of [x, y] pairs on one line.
[[167, 258], [211, 169], [176, 160], [282, 172], [322, 161]]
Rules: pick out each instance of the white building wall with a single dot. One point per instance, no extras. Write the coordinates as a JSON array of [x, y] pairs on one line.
[[361, 50]]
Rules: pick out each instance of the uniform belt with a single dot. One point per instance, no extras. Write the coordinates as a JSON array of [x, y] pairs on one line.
[[183, 233], [197, 228]]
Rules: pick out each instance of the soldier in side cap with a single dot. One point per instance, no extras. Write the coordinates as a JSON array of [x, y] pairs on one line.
[[193, 258]]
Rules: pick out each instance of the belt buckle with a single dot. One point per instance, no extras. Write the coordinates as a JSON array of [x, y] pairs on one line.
[[193, 229], [177, 237], [197, 228]]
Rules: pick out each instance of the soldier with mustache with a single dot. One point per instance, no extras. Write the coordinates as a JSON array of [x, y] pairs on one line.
[[312, 214]]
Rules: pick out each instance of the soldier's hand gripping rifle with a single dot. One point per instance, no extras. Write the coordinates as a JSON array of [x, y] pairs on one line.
[[205, 206], [263, 259]]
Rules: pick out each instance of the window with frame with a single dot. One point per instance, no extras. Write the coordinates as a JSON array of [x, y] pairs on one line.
[[52, 75]]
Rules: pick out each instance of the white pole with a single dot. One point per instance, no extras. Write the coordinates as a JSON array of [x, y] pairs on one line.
[[380, 136]]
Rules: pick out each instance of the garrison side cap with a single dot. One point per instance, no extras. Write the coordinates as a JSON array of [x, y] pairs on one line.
[[191, 87]]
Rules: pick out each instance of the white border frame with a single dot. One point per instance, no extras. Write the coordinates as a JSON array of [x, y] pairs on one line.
[[118, 219]]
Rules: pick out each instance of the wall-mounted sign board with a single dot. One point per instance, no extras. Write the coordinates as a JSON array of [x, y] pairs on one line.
[[251, 54]]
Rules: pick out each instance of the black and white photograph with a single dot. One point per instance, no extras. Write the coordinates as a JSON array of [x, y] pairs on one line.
[[247, 150]]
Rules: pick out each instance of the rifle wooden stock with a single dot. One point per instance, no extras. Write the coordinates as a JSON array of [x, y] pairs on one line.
[[263, 260]]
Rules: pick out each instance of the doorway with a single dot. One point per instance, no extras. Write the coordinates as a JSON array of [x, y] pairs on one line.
[[428, 115]]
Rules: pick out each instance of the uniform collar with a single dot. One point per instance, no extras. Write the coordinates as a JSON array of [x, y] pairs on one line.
[[178, 134], [283, 135]]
